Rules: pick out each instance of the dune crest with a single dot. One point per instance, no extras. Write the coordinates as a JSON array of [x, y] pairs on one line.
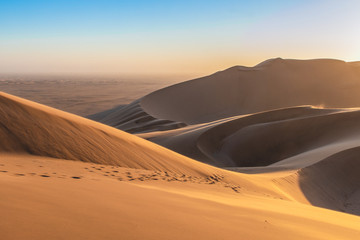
[[28, 127], [246, 90], [285, 157]]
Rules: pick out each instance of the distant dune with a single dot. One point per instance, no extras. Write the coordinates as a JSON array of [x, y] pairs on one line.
[[266, 152], [273, 84], [279, 115]]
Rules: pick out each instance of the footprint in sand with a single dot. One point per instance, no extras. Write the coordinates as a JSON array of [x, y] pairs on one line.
[[19, 174], [75, 177], [44, 175]]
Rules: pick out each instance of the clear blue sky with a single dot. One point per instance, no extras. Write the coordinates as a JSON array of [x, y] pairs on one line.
[[171, 37]]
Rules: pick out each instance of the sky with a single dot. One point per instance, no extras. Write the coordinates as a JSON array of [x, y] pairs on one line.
[[192, 38]]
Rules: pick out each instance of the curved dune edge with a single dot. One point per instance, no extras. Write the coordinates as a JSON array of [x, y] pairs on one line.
[[122, 183], [241, 90], [273, 84], [28, 127], [133, 119], [333, 182], [257, 141], [263, 138]]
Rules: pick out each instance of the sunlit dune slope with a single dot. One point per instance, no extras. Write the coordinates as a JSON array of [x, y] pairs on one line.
[[28, 127], [145, 191], [76, 200]]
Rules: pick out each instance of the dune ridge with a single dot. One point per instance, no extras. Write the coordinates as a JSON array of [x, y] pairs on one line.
[[331, 183], [288, 159], [35, 129], [281, 116], [245, 90]]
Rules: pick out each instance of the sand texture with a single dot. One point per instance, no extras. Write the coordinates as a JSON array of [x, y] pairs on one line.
[[268, 152]]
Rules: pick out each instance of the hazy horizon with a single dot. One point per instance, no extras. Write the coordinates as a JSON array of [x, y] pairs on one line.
[[171, 38]]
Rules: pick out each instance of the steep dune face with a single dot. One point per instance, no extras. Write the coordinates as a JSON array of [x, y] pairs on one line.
[[224, 117], [27, 127], [273, 84], [266, 143], [277, 137], [333, 182], [132, 118]]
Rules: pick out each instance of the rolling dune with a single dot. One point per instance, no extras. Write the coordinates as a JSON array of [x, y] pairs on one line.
[[46, 198], [273, 84], [142, 186], [27, 127], [281, 117], [255, 153]]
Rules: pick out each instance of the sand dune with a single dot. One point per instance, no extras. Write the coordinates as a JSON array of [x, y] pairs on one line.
[[214, 118], [273, 84], [46, 198], [331, 183], [163, 194], [265, 143], [277, 117], [168, 197], [27, 127], [292, 163]]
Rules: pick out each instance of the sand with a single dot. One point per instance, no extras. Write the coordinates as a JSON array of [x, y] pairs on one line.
[[81, 94], [279, 167], [273, 84], [45, 198]]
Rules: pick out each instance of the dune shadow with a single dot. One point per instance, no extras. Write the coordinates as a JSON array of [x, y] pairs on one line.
[[334, 182]]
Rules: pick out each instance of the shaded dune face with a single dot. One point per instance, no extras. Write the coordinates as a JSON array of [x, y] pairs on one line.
[[262, 144], [333, 182], [273, 84], [253, 141], [132, 119], [250, 116]]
